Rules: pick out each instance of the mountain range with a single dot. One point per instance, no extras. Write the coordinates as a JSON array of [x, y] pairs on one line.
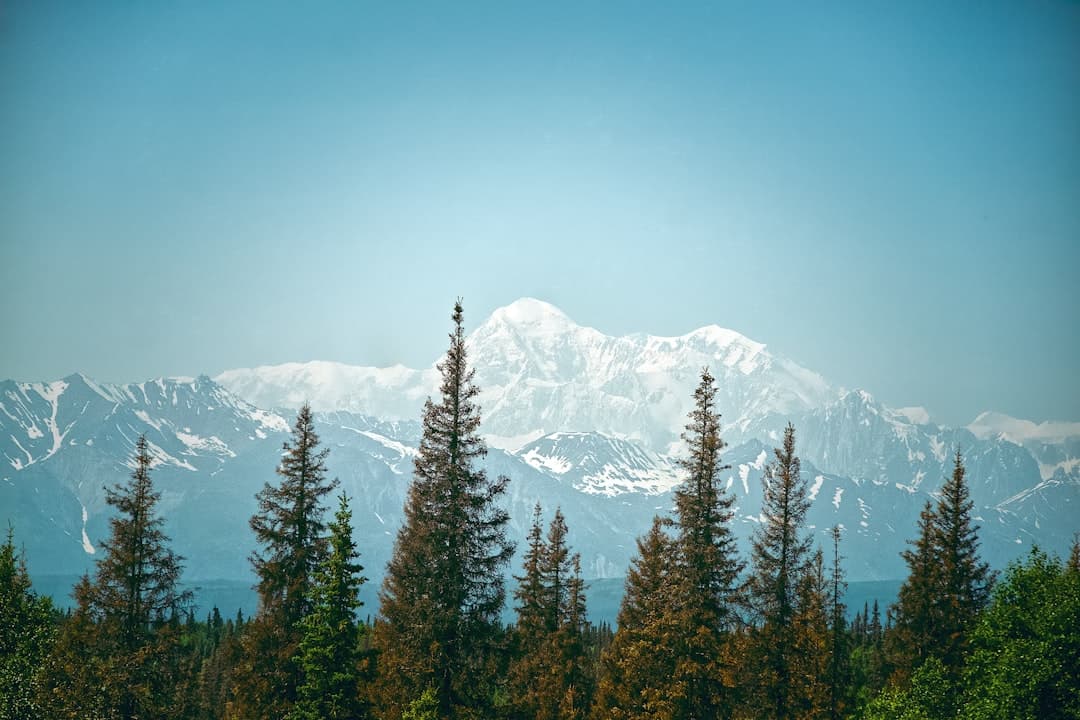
[[573, 417]]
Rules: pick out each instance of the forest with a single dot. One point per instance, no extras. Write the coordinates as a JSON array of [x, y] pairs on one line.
[[701, 633]]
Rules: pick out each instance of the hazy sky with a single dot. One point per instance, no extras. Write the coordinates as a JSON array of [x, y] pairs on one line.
[[889, 193]]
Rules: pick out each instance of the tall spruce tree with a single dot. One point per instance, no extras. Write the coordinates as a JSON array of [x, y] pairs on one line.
[[965, 580], [127, 643], [638, 666], [946, 587], [911, 638], [330, 651], [780, 551], [443, 590], [289, 526], [840, 646], [706, 566]]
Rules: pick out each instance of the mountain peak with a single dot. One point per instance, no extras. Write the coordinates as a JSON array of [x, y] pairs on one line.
[[533, 313]]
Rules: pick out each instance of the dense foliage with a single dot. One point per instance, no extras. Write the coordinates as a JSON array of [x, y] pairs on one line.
[[702, 632]]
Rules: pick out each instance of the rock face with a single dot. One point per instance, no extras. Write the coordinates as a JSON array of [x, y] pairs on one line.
[[575, 418]]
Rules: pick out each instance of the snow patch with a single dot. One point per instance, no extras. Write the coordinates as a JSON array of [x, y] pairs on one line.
[[816, 486], [836, 497]]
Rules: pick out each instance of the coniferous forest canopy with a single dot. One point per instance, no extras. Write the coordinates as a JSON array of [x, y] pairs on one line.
[[702, 632]]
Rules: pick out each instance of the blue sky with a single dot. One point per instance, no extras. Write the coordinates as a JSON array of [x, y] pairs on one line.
[[888, 193]]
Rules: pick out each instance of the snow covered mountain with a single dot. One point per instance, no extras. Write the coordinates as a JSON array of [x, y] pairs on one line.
[[576, 419], [539, 372]]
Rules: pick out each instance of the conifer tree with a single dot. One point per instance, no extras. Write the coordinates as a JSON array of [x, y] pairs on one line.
[[840, 650], [965, 579], [638, 665], [443, 591], [74, 678], [910, 641], [548, 676], [780, 551], [808, 694], [707, 565], [124, 618], [330, 651], [946, 587], [26, 635], [289, 526]]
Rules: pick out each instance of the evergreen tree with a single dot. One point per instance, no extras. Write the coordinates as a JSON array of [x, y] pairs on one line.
[[443, 590], [125, 617], [549, 679], [638, 666], [74, 680], [330, 651], [911, 639], [707, 565], [26, 635], [965, 579], [780, 551], [289, 526], [840, 650], [947, 585], [808, 694]]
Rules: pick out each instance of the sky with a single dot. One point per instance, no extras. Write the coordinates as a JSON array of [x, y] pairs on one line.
[[887, 193]]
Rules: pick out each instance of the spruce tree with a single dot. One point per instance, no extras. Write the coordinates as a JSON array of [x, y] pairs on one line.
[[549, 679], [330, 651], [780, 551], [840, 646], [911, 639], [707, 565], [124, 620], [443, 590], [638, 665], [26, 635], [965, 579], [289, 527]]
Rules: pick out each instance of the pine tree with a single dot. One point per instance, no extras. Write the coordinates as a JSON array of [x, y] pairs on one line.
[[549, 679], [780, 551], [26, 635], [443, 590], [911, 640], [638, 666], [707, 565], [289, 526], [124, 619], [947, 585], [330, 651], [74, 679], [840, 650], [808, 694], [965, 579]]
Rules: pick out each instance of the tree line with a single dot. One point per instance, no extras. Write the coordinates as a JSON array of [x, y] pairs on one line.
[[701, 633]]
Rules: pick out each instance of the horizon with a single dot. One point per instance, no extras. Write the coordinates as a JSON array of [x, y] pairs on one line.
[[890, 199]]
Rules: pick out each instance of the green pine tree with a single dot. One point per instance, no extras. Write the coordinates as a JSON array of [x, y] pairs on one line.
[[965, 580], [125, 619], [330, 649], [780, 554], [443, 590], [27, 629], [289, 528], [706, 569]]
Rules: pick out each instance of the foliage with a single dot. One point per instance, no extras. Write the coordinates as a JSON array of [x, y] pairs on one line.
[[26, 634], [330, 655], [289, 526], [443, 590]]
